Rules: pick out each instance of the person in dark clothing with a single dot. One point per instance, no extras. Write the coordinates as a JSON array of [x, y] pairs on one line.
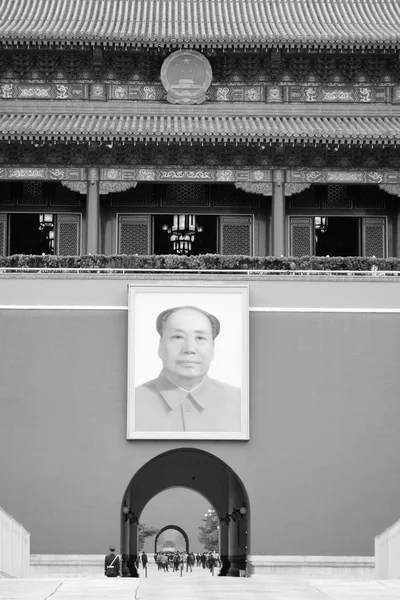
[[111, 564], [144, 560], [190, 562], [203, 559]]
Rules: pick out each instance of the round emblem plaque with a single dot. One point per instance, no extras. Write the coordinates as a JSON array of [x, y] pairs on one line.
[[186, 76]]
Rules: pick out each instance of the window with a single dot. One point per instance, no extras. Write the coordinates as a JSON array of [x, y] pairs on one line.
[[31, 233], [185, 234], [337, 236]]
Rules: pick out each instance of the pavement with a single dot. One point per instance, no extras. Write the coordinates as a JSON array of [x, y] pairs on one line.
[[199, 585]]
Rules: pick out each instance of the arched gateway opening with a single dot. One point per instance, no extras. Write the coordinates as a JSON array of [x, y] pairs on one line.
[[201, 472], [166, 528]]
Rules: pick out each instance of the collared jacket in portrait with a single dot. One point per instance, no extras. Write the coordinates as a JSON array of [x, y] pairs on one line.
[[213, 406]]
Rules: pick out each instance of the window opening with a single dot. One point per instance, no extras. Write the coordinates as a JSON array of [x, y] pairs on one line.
[[185, 234], [337, 236], [32, 233]]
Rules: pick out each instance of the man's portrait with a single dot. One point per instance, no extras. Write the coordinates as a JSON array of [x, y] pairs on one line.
[[187, 362]]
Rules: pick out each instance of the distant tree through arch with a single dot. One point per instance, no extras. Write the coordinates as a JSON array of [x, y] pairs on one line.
[[185, 536]]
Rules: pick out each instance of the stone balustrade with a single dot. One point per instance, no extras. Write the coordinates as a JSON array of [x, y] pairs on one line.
[[14, 547], [387, 552]]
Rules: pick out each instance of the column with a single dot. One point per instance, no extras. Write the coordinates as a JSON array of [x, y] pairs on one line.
[[278, 213], [125, 546], [396, 228], [133, 550], [237, 541], [93, 212], [224, 548]]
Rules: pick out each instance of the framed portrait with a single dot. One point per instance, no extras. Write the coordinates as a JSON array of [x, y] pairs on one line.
[[188, 361]]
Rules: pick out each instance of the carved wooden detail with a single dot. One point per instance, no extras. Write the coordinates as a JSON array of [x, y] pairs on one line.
[[56, 156], [391, 189], [76, 186], [295, 188], [264, 189], [106, 187], [130, 66]]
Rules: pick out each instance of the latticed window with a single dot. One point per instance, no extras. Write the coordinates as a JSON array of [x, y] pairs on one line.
[[40, 233], [183, 233], [338, 236]]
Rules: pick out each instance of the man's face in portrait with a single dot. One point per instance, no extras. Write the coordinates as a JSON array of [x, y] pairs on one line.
[[187, 347]]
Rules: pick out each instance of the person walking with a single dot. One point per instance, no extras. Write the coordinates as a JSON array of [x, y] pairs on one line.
[[111, 564], [164, 562], [177, 560], [203, 560], [190, 562], [145, 559]]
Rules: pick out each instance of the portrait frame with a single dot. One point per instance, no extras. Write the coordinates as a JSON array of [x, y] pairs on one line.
[[228, 369]]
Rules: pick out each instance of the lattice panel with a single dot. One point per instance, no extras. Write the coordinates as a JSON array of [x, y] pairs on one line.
[[236, 235], [307, 199], [374, 237], [301, 236], [3, 235], [134, 238], [68, 230], [369, 197], [6, 196], [186, 194], [64, 196], [33, 193], [142, 195], [229, 195], [337, 196]]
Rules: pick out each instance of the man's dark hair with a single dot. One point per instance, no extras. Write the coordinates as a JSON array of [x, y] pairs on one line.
[[162, 318]]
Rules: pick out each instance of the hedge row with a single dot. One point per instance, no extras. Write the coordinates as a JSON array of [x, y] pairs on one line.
[[201, 262]]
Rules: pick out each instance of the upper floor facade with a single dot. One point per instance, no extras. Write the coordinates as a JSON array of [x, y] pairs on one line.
[[271, 126]]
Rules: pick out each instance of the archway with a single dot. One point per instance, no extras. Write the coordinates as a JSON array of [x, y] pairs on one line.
[[201, 472], [177, 528]]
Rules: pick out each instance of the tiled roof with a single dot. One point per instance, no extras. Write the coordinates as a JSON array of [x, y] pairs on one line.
[[203, 23], [342, 130]]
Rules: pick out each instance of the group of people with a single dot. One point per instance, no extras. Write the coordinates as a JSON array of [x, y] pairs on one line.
[[183, 560], [166, 561]]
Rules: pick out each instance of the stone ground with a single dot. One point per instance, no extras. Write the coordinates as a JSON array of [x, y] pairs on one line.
[[199, 585]]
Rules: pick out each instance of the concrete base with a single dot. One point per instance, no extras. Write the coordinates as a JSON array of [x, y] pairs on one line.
[[332, 567], [66, 565]]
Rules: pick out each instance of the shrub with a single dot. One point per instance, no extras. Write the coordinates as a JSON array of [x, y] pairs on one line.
[[201, 262]]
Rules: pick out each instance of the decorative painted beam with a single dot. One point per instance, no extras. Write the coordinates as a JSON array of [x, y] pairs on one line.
[[103, 92], [174, 174], [56, 174], [328, 176]]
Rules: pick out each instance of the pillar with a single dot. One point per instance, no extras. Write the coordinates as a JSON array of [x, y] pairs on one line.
[[125, 546], [93, 212], [224, 549], [278, 213], [396, 229], [237, 540], [133, 550]]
